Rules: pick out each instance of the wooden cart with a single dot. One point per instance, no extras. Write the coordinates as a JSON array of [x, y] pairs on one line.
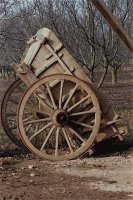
[[59, 113]]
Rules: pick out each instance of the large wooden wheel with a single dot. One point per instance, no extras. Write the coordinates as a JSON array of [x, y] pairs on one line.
[[59, 117], [9, 106]]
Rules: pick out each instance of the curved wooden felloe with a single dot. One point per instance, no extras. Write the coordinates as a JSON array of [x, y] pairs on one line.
[[9, 105], [59, 117]]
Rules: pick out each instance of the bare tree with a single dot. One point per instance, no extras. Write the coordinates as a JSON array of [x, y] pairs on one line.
[[77, 23]]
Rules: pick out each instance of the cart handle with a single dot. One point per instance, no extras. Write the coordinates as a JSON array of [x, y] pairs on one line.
[[114, 23]]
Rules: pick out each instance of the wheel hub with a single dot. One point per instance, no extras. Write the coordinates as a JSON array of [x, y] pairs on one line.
[[60, 117]]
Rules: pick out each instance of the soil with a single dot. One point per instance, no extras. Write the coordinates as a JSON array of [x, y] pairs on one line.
[[25, 177]]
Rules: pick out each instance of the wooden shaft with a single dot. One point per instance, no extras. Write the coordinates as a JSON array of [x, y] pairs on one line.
[[114, 23]]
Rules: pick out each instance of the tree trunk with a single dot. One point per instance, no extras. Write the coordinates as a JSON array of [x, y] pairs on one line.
[[114, 76], [105, 67], [103, 77], [90, 29], [2, 72], [92, 75]]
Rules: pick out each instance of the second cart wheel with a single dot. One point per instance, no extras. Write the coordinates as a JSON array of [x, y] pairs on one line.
[[9, 106], [59, 117]]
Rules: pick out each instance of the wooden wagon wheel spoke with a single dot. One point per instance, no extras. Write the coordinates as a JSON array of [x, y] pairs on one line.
[[30, 101], [44, 104], [13, 101], [10, 114], [84, 112], [36, 121], [26, 119], [39, 131], [29, 107], [57, 141], [82, 124], [77, 104], [77, 134], [12, 120], [70, 96], [47, 138], [83, 118], [28, 128], [67, 140], [59, 134], [19, 89], [51, 96], [61, 92], [13, 127]]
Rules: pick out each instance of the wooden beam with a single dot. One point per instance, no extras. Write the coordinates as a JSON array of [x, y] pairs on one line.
[[114, 23]]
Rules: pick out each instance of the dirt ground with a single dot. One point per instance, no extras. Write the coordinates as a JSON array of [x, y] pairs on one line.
[[25, 177], [93, 178]]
